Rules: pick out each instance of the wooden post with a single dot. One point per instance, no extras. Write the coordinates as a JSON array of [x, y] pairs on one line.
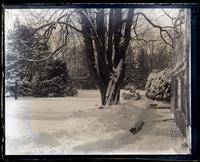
[[16, 89]]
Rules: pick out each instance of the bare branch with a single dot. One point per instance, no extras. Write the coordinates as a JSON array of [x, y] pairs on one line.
[[165, 40], [172, 18], [42, 27], [161, 28], [76, 29], [51, 53], [134, 27], [146, 41]]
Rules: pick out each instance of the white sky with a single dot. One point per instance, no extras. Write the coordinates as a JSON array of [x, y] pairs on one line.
[[154, 14], [12, 14]]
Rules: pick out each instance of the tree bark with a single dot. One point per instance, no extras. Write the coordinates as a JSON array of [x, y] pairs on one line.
[[106, 48], [110, 94]]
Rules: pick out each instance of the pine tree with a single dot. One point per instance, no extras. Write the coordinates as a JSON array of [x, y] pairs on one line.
[[54, 81], [20, 44]]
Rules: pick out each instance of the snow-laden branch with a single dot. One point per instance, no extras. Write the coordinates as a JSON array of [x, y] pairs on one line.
[[51, 53], [114, 77]]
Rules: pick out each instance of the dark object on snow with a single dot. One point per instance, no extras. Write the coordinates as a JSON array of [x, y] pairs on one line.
[[153, 104], [165, 120], [101, 107], [159, 107], [137, 127], [16, 91]]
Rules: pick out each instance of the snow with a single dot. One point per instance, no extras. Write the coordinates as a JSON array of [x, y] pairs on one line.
[[113, 79], [75, 125]]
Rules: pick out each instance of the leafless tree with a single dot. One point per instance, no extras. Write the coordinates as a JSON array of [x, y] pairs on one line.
[[106, 34]]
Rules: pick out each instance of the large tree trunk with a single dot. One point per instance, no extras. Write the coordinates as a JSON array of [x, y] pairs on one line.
[[112, 98], [110, 89], [105, 46]]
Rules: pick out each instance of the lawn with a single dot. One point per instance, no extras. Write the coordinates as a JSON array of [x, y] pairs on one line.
[[76, 125]]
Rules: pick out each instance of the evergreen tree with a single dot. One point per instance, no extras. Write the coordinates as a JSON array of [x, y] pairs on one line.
[[54, 81], [20, 44]]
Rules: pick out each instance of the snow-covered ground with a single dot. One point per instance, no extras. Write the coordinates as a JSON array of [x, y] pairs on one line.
[[75, 125]]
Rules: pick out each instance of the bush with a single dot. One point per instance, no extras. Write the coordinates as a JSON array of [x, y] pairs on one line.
[[132, 94], [55, 83], [158, 86], [56, 87]]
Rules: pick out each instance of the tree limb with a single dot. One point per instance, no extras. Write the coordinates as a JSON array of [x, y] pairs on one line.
[[92, 27], [159, 27], [52, 53], [42, 27], [134, 27]]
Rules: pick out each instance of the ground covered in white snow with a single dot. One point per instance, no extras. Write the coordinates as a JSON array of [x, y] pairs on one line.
[[75, 125]]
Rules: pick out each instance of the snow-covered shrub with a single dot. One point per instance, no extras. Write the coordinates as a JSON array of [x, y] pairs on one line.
[[158, 86], [55, 87], [55, 82], [132, 94], [24, 88]]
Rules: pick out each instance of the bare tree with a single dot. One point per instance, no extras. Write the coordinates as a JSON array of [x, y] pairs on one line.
[[106, 52], [106, 34]]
